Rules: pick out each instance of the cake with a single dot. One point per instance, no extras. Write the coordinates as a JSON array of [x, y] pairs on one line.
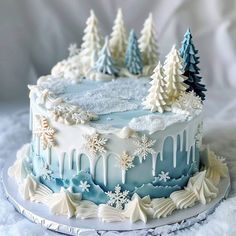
[[116, 135]]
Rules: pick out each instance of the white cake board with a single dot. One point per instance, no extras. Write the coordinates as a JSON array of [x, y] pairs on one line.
[[40, 214]]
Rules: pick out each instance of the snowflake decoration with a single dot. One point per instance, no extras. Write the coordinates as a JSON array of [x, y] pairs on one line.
[[84, 186], [71, 114], [144, 147], [198, 135], [164, 176], [117, 198], [45, 132], [187, 104], [73, 50], [46, 173], [221, 159], [95, 144], [125, 161]]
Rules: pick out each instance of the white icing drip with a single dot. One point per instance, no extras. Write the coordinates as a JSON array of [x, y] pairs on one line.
[[49, 155], [61, 164], [174, 150], [123, 175], [38, 145], [70, 159], [154, 161], [193, 152], [78, 157], [92, 164], [104, 159]]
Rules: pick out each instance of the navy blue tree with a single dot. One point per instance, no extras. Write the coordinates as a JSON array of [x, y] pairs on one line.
[[133, 60], [191, 69]]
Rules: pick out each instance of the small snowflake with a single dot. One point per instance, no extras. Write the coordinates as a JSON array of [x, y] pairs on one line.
[[117, 199], [73, 50], [164, 176], [221, 159], [45, 132], [95, 144], [46, 173], [84, 186], [187, 103], [125, 161], [198, 135], [144, 147]]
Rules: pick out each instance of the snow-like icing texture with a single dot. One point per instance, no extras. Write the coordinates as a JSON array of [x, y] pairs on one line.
[[156, 122], [120, 95]]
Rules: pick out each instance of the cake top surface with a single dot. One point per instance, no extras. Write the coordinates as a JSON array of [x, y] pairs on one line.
[[117, 103]]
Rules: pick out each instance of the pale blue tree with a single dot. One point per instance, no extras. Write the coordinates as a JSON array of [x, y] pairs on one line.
[[105, 63], [133, 60]]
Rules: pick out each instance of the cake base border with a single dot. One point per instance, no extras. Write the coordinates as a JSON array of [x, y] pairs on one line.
[[180, 219]]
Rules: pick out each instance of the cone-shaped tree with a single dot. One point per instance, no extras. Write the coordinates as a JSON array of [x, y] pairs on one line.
[[118, 41], [173, 70], [105, 63], [133, 60], [157, 97], [190, 66], [148, 42], [91, 43]]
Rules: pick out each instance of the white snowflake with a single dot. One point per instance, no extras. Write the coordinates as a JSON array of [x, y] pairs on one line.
[[84, 186], [125, 161], [221, 159], [46, 173], [95, 144], [117, 198], [144, 147], [164, 176], [73, 50], [187, 103], [45, 132], [71, 114], [198, 135]]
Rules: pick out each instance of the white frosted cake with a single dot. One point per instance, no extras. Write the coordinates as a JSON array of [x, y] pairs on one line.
[[115, 135]]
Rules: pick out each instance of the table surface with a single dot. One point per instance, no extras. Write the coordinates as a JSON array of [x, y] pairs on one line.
[[219, 134]]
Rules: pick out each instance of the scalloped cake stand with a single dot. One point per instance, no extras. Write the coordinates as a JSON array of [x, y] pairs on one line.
[[40, 214]]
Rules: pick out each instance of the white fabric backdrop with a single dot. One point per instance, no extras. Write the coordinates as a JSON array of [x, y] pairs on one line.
[[35, 34]]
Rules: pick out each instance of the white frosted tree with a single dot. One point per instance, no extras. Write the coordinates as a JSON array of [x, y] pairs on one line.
[[173, 75], [148, 42], [91, 44], [118, 40], [156, 100]]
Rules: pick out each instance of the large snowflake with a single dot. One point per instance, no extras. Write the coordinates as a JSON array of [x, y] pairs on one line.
[[95, 144], [187, 103], [45, 132], [125, 161], [117, 198], [144, 147]]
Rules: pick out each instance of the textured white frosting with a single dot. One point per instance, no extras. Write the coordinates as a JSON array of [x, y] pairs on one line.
[[64, 202], [18, 170], [162, 207], [183, 199], [138, 208], [110, 214], [86, 209], [203, 188], [215, 168]]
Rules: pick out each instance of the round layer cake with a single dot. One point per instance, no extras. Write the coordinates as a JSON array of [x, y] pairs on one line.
[[91, 136]]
